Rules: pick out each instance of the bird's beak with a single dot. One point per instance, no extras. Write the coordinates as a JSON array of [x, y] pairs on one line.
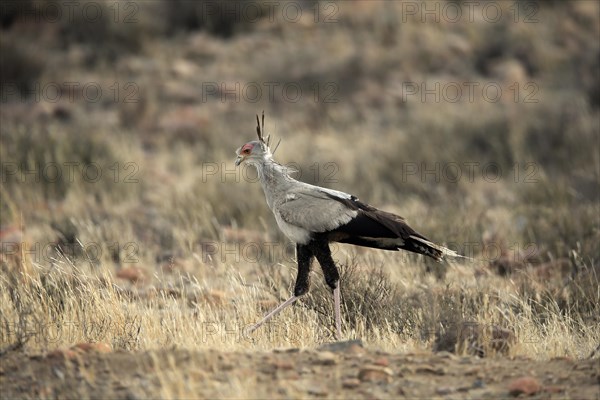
[[238, 160]]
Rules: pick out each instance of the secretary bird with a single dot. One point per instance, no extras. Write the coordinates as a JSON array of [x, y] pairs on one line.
[[313, 216]]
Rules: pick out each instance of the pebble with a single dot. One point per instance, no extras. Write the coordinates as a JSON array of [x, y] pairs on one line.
[[429, 369], [92, 347], [382, 361], [59, 374], [350, 383], [282, 364], [444, 390], [349, 346], [478, 384], [286, 350], [325, 358], [554, 389], [132, 274], [375, 373], [525, 385], [317, 391]]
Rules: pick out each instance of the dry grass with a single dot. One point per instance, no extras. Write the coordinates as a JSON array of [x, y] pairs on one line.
[[48, 309], [174, 212]]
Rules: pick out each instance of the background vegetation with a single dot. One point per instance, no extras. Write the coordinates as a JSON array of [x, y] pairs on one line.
[[124, 221]]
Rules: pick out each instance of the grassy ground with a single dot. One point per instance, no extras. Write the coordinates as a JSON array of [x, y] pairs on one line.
[[289, 373], [124, 220]]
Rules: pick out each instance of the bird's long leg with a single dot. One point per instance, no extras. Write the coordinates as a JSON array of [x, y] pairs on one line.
[[338, 318], [304, 255], [332, 277], [273, 313]]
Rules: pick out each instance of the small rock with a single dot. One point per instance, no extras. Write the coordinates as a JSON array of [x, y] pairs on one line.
[[444, 390], [429, 369], [473, 338], [382, 361], [349, 346], [325, 358], [59, 374], [463, 389], [282, 364], [375, 373], [92, 348], [317, 391], [350, 383], [554, 389], [286, 350], [290, 375], [525, 385], [227, 367], [183, 68], [131, 274], [478, 384]]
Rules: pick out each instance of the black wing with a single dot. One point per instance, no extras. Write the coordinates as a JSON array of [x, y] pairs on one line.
[[381, 230]]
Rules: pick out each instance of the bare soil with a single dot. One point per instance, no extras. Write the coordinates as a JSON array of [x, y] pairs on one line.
[[346, 371]]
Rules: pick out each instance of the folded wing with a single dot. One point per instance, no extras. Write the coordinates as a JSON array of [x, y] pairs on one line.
[[345, 219], [314, 210]]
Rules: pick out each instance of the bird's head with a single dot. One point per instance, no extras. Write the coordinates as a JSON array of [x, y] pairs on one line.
[[257, 150], [252, 152]]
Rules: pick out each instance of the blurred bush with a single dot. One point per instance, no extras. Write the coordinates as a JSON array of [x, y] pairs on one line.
[[220, 18], [20, 67]]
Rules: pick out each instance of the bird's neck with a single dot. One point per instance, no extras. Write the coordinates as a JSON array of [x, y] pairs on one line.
[[271, 172], [273, 177]]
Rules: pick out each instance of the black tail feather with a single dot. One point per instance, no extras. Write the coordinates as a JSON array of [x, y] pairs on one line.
[[383, 230]]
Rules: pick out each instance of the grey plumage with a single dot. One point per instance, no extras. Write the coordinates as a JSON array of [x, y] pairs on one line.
[[302, 209], [312, 216]]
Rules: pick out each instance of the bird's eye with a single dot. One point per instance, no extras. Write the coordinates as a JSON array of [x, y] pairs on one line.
[[246, 151]]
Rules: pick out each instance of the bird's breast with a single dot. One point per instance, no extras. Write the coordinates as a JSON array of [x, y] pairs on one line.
[[292, 232]]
